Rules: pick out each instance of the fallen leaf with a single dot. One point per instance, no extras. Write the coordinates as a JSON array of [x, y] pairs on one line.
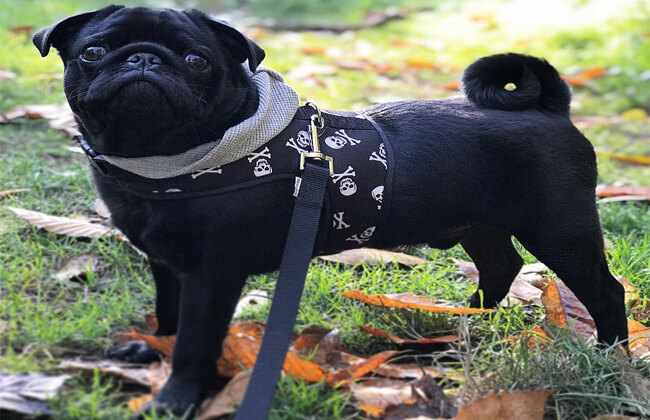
[[632, 159], [634, 114], [227, 399], [253, 302], [341, 360], [240, 348], [536, 338], [374, 395], [309, 338], [24, 392], [11, 192], [639, 338], [515, 405], [407, 300], [372, 256], [637, 387], [398, 340], [563, 309], [136, 404], [22, 30], [76, 228], [422, 64], [313, 50], [613, 417], [431, 402], [581, 78], [60, 116], [77, 268], [101, 208], [152, 376], [632, 297], [623, 190], [454, 85], [6, 75], [359, 370]]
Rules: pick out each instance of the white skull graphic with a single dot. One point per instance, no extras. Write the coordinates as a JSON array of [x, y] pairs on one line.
[[262, 167], [382, 150], [347, 186], [336, 142], [378, 193], [366, 234], [303, 139]]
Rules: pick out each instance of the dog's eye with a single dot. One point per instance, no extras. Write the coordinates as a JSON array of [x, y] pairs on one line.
[[93, 53], [198, 63]]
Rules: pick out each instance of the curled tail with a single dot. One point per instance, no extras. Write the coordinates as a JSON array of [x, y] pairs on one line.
[[514, 82]]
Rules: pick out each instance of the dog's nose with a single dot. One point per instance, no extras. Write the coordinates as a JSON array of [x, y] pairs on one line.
[[143, 60]]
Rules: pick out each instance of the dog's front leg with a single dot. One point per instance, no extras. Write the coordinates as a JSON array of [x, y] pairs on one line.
[[168, 294], [208, 299]]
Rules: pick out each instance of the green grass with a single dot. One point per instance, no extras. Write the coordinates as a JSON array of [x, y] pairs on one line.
[[43, 321]]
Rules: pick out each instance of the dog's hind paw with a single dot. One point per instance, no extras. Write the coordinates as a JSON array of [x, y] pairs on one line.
[[134, 352]]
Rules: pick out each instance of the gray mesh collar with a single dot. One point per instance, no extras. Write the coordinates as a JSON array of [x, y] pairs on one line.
[[277, 106]]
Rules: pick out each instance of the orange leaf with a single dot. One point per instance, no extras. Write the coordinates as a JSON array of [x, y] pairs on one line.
[[639, 338], [565, 310], [398, 340], [422, 64], [618, 190], [359, 370], [135, 404], [313, 50], [581, 78], [452, 85], [14, 191], [516, 405], [164, 344], [409, 301]]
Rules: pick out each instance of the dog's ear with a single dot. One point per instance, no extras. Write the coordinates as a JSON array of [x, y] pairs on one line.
[[242, 47], [55, 34]]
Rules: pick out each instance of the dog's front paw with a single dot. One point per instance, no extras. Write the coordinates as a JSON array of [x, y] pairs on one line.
[[174, 399], [134, 352]]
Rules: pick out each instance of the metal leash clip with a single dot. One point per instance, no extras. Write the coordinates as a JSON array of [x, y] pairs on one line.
[[317, 123]]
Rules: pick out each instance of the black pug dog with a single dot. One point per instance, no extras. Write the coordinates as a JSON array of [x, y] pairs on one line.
[[473, 170]]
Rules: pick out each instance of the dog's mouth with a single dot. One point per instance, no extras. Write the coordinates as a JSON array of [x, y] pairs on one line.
[[142, 100]]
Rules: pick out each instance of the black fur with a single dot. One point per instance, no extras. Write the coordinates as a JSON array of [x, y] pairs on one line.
[[475, 171], [538, 85]]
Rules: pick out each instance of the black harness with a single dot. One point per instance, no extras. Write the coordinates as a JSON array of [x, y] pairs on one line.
[[357, 196]]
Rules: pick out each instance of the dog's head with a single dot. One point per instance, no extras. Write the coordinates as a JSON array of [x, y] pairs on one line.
[[140, 79]]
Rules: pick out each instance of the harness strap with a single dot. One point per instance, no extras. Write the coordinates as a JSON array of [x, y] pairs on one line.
[[298, 253]]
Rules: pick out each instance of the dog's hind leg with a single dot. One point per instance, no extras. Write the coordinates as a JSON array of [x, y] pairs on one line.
[[497, 261], [568, 239]]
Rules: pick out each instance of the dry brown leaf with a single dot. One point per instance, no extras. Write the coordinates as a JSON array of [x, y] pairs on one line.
[[639, 338], [515, 405], [397, 340], [101, 208], [359, 370], [11, 192], [563, 309], [77, 268], [374, 395], [308, 339], [60, 116], [623, 190], [136, 404], [372, 256], [227, 399], [313, 50], [153, 376], [6, 75], [22, 30], [632, 159], [632, 297], [342, 360], [536, 337], [409, 301], [76, 228]]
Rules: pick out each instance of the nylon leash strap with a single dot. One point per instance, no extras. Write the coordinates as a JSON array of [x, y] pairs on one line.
[[297, 255]]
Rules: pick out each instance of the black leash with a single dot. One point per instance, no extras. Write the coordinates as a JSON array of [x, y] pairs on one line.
[[297, 255]]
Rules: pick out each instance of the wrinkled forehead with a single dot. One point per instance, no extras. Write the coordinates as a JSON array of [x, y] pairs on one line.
[[143, 24]]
